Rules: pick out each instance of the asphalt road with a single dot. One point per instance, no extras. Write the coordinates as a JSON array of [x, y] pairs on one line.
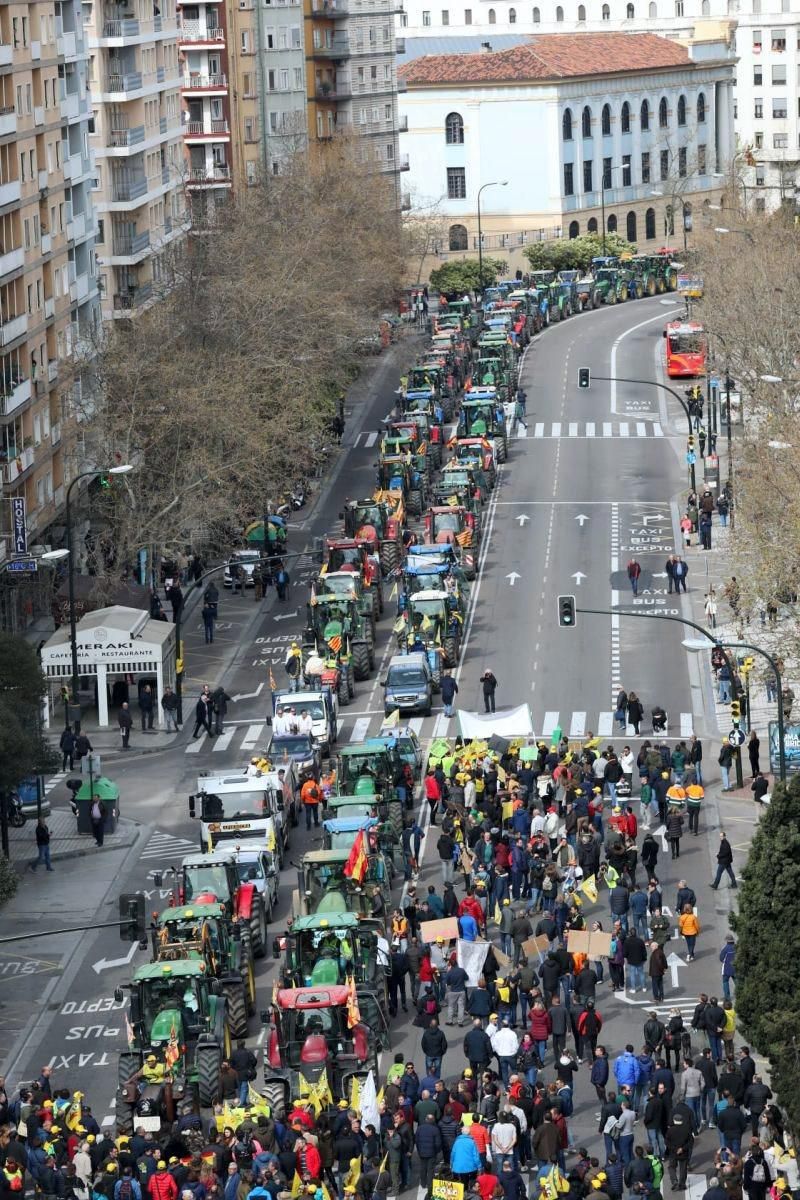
[[595, 479]]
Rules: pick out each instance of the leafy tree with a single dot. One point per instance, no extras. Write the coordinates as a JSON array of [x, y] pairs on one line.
[[574, 254], [456, 278], [768, 946], [23, 750]]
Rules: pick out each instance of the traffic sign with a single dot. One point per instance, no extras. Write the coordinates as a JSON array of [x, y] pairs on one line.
[[23, 566], [736, 737]]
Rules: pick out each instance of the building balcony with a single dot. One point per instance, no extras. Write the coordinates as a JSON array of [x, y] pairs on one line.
[[210, 177], [197, 31], [79, 289], [13, 260], [402, 124], [68, 45], [403, 163], [49, 307], [8, 120], [199, 131], [14, 395], [70, 106], [121, 29], [55, 434], [6, 55], [353, 8], [120, 85], [342, 90], [135, 297], [10, 193], [339, 47], [130, 245], [76, 227], [47, 243], [18, 466], [129, 189], [13, 328], [205, 83], [120, 139], [36, 50]]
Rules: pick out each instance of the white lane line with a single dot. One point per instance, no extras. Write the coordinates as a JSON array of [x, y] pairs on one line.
[[415, 725], [661, 317], [538, 429], [607, 430], [577, 727], [224, 740], [196, 746], [358, 439], [573, 429], [360, 728], [253, 736], [590, 429], [371, 438], [556, 429], [687, 724], [641, 429], [657, 430], [624, 429], [605, 724], [440, 726], [550, 723]]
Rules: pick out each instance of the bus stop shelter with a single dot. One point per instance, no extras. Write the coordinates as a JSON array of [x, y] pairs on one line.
[[115, 646]]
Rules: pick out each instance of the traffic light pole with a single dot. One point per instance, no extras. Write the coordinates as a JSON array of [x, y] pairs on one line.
[[621, 612], [665, 388]]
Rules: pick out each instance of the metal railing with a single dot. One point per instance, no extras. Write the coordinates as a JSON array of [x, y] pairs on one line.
[[205, 81], [130, 82], [119, 138], [120, 29], [129, 189], [133, 298], [209, 174], [127, 244]]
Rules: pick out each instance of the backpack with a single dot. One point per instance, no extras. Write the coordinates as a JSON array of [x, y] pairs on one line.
[[125, 1189], [658, 1170], [758, 1173]]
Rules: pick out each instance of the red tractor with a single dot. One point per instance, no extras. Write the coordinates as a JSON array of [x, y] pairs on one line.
[[377, 521], [351, 554], [452, 524]]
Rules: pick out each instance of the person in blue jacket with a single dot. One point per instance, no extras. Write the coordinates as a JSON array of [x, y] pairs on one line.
[[465, 1161], [727, 956], [626, 1068]]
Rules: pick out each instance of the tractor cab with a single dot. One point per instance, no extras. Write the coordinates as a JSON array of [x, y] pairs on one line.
[[471, 449], [465, 478], [324, 887], [321, 950], [348, 585], [433, 627]]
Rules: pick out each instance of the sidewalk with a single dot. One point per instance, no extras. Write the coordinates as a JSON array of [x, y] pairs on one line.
[[65, 841]]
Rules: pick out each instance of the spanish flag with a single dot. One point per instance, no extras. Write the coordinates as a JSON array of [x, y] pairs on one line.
[[353, 1011], [589, 888], [273, 687], [356, 866]]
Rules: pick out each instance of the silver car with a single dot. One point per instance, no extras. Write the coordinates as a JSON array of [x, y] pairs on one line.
[[248, 559]]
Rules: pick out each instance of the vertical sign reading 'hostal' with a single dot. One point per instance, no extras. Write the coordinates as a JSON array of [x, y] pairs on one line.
[[19, 525]]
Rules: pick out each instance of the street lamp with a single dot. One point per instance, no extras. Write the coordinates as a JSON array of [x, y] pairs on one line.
[[123, 469], [492, 183], [742, 232]]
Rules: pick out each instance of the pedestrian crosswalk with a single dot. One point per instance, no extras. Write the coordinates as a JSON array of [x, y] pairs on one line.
[[591, 429], [53, 781], [166, 846], [367, 437], [243, 739]]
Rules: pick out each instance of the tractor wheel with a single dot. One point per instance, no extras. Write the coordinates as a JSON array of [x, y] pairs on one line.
[[276, 1095], [376, 606], [351, 680], [623, 295], [414, 503], [360, 660], [124, 1118], [555, 314], [236, 1002], [389, 556], [187, 1105], [394, 815], [448, 407], [546, 318], [436, 454], [661, 287], [611, 296], [451, 651], [207, 1060], [651, 286], [343, 691], [436, 673], [639, 289], [597, 299], [258, 930]]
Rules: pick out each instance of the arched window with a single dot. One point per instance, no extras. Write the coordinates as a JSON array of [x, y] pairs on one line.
[[625, 118], [650, 224], [566, 125], [663, 111], [492, 17], [681, 110], [644, 115], [512, 16], [630, 12], [630, 227], [454, 129], [652, 10], [559, 13], [458, 237], [586, 121], [612, 224], [701, 109], [706, 8], [669, 221], [688, 220], [605, 119], [581, 12], [592, 225], [537, 17], [606, 13], [574, 229]]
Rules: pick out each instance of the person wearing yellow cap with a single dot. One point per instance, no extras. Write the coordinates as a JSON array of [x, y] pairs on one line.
[[162, 1185], [153, 1071]]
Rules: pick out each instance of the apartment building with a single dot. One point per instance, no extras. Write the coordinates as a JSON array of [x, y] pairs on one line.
[[140, 175], [48, 288], [206, 99], [766, 41]]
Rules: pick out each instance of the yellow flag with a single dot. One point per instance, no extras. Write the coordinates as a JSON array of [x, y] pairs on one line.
[[399, 625], [209, 844], [382, 1167], [297, 1184], [393, 592], [496, 914], [379, 1096], [426, 623], [271, 843], [392, 719], [354, 1174], [355, 1093], [501, 775], [589, 888]]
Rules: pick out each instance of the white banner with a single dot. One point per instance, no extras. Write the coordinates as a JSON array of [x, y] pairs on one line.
[[471, 956], [509, 723], [369, 1114]]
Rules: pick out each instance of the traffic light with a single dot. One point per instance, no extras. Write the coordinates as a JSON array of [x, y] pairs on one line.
[[736, 711], [747, 665], [690, 443], [131, 916], [584, 377], [566, 611]]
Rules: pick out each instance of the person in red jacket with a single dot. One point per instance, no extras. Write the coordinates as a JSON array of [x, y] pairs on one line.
[[433, 794], [470, 905], [589, 1024], [631, 824], [162, 1186], [301, 1115], [541, 1027], [309, 1159]]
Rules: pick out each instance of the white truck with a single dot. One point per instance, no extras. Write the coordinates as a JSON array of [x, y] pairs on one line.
[[322, 706], [248, 807]]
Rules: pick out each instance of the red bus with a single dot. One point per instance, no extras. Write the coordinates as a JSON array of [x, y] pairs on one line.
[[686, 348]]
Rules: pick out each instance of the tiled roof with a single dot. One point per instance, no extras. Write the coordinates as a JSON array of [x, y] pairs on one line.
[[417, 47], [551, 56]]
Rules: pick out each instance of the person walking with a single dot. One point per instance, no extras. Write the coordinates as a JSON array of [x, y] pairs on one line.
[[97, 816], [202, 714], [694, 800], [282, 582], [679, 572], [725, 761], [696, 757], [209, 617], [710, 608], [211, 597], [689, 927], [42, 846], [635, 712], [489, 688], [753, 747], [67, 747], [125, 722], [675, 832], [175, 597], [634, 571], [669, 567], [724, 862], [220, 700], [727, 957], [449, 693], [146, 706], [657, 969], [169, 703]]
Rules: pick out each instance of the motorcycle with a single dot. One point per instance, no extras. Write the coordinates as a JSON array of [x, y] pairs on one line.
[[16, 816]]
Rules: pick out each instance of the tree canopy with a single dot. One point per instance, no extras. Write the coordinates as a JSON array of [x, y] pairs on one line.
[[462, 275], [575, 254], [23, 750], [768, 945]]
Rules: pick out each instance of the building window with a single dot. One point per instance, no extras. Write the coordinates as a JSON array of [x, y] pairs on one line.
[[646, 167], [454, 129], [591, 225], [566, 125], [644, 115], [705, 8], [758, 140], [537, 17], [445, 16], [426, 17], [625, 118], [630, 12], [650, 224], [611, 224], [682, 162], [587, 176], [701, 160], [779, 76], [569, 180], [780, 141], [606, 13], [758, 75], [681, 110], [652, 10], [492, 17], [606, 173], [761, 204], [663, 113], [630, 227], [581, 12], [456, 183], [678, 8], [574, 229], [586, 122], [457, 239], [512, 16], [605, 120], [779, 108], [701, 109], [779, 39], [626, 170], [664, 162], [467, 16]]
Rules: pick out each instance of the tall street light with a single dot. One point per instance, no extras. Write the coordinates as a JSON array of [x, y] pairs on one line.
[[73, 633], [493, 183]]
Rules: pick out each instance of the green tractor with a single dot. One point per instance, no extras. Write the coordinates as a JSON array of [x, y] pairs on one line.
[[609, 282], [338, 630], [633, 281], [349, 586], [373, 768], [178, 1014], [482, 415], [434, 625], [202, 933], [324, 888], [378, 523], [465, 478], [397, 473], [322, 950], [646, 268]]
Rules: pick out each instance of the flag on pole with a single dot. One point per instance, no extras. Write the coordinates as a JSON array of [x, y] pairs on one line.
[[355, 1094], [356, 866], [496, 913], [393, 592], [273, 687], [297, 1184], [426, 623], [392, 719], [370, 1114], [353, 1011]]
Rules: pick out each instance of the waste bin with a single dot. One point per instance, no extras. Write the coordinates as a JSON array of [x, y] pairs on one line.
[[97, 788]]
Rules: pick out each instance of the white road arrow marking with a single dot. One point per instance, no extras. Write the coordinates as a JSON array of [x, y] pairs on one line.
[[581, 519], [654, 517], [512, 577], [285, 616], [105, 964], [662, 833], [659, 575], [578, 576], [675, 962], [249, 695], [522, 518]]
